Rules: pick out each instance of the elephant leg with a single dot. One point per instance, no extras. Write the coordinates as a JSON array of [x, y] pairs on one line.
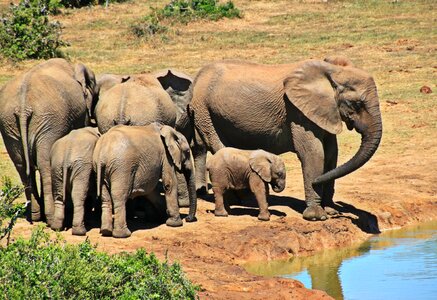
[[331, 154], [260, 189], [43, 159], [219, 210], [58, 195], [199, 155], [169, 180], [183, 198], [107, 226], [119, 198], [29, 182], [79, 193], [309, 149]]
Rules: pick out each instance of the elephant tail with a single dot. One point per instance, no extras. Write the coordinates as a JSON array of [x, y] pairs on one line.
[[100, 172], [23, 115], [64, 181]]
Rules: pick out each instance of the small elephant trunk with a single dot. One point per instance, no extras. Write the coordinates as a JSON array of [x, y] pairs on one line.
[[191, 181]]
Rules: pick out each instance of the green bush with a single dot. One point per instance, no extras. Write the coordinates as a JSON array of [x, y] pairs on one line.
[[184, 11], [25, 31], [9, 211], [41, 268]]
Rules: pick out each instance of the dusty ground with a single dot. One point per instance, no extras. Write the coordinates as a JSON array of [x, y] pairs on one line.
[[382, 195], [394, 42]]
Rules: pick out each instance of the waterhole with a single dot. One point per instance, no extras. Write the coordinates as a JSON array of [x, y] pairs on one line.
[[397, 264]]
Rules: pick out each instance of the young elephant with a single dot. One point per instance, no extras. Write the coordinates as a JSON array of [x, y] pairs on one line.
[[71, 160], [130, 160], [232, 168]]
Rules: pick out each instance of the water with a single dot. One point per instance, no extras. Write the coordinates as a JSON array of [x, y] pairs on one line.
[[398, 264]]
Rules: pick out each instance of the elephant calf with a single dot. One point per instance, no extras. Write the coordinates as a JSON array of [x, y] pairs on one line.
[[130, 161], [232, 168], [71, 160]]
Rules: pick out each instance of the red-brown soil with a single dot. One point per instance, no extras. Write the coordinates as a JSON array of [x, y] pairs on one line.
[[388, 192]]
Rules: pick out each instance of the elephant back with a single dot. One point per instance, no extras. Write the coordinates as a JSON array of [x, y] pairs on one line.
[[133, 104]]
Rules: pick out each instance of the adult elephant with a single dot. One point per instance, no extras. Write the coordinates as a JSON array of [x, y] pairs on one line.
[[291, 107], [159, 96], [36, 109]]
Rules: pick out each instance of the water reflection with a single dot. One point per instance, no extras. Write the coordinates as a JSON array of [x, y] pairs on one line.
[[386, 264]]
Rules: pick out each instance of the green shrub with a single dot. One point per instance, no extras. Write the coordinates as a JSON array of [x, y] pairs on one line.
[[9, 211], [25, 31], [186, 11], [82, 3], [41, 268], [183, 11]]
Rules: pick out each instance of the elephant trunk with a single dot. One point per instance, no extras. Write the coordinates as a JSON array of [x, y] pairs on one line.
[[191, 181], [371, 137]]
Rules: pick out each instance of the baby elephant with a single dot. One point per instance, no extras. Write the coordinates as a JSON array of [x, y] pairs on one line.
[[71, 160], [236, 169]]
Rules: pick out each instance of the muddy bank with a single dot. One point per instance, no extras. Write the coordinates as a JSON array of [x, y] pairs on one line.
[[212, 250]]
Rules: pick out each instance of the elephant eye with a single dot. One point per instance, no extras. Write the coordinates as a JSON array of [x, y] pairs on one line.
[[357, 105]]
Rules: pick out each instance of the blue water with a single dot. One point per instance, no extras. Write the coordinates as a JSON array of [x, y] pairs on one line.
[[400, 264]]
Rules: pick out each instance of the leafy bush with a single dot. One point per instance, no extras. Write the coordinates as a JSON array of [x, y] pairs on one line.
[[8, 209], [25, 31], [41, 268], [184, 11], [82, 3]]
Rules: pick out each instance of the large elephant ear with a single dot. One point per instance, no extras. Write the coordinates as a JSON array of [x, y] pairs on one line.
[[174, 144], [259, 162], [86, 78], [312, 90]]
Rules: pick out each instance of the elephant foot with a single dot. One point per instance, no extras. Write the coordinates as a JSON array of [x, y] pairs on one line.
[[121, 233], [264, 216], [315, 213], [57, 224], [331, 211], [174, 222], [220, 212], [36, 216], [78, 230]]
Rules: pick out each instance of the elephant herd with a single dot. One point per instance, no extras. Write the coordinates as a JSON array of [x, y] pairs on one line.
[[145, 134]]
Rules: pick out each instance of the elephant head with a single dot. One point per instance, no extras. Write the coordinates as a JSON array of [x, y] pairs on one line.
[[90, 89], [179, 151], [107, 81], [270, 168], [328, 93]]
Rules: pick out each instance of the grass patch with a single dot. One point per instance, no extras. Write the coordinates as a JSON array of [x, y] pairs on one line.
[[42, 268], [183, 12]]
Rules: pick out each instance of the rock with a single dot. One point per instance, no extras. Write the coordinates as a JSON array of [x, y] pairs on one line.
[[425, 90]]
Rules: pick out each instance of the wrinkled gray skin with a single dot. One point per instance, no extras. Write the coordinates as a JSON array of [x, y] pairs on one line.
[[129, 161], [36, 109], [142, 99], [175, 84], [295, 107], [231, 168], [71, 161]]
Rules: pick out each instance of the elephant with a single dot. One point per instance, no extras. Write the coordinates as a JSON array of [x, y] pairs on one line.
[[231, 168], [71, 161], [142, 99], [36, 109], [289, 107], [129, 161], [139, 105]]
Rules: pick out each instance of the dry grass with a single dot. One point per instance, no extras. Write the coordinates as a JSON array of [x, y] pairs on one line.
[[396, 42]]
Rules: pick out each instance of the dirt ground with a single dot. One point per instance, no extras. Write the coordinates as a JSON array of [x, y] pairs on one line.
[[384, 194]]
